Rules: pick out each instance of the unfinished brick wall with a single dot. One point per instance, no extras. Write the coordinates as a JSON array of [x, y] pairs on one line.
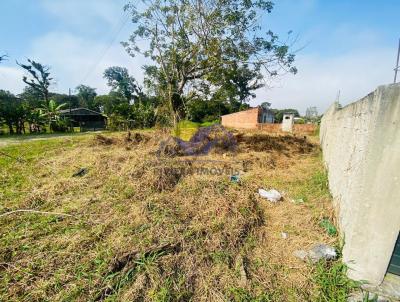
[[247, 119], [297, 128], [304, 128], [272, 128]]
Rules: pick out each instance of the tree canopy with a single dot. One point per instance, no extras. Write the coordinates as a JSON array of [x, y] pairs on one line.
[[86, 96], [207, 58], [196, 44], [120, 81], [39, 79]]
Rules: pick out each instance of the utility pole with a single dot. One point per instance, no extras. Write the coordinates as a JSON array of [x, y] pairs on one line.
[[337, 104], [396, 69], [69, 101], [338, 96]]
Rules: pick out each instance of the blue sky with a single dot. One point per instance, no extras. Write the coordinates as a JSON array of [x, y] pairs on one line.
[[344, 45]]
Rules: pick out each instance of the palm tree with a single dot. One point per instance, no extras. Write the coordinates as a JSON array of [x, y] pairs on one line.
[[52, 111]]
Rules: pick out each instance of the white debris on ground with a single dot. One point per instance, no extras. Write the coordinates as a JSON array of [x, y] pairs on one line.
[[284, 235], [301, 254], [271, 195], [318, 252], [300, 200]]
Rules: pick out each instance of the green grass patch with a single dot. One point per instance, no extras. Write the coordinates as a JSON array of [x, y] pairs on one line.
[[305, 184], [18, 164], [243, 295], [207, 124], [332, 283], [185, 129], [328, 226]]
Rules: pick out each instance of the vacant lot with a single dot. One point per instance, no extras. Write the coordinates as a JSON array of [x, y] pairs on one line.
[[137, 224]]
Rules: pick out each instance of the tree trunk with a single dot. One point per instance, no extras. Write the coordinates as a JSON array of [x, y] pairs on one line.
[[10, 128]]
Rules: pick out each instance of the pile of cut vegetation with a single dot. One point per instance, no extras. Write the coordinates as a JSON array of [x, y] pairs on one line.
[[137, 226], [206, 139], [128, 139]]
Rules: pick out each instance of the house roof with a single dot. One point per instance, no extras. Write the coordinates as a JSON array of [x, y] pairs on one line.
[[79, 111]]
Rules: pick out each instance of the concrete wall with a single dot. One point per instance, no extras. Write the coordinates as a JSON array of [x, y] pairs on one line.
[[247, 119], [361, 149]]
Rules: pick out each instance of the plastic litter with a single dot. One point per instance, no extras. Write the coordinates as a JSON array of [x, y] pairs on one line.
[[318, 252], [322, 251], [272, 195], [235, 178], [80, 172]]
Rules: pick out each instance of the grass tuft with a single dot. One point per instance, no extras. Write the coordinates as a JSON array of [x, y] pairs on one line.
[[332, 283], [328, 226]]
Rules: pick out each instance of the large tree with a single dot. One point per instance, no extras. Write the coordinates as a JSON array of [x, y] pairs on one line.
[[32, 97], [86, 96], [121, 82], [194, 41], [32, 100], [111, 103], [39, 78]]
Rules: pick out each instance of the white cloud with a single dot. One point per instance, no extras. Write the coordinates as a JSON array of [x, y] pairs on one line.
[[74, 60], [11, 79], [319, 79]]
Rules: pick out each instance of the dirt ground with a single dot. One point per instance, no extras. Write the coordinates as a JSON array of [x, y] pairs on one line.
[[145, 225]]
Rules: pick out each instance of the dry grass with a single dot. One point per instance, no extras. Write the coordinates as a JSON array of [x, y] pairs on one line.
[[150, 228]]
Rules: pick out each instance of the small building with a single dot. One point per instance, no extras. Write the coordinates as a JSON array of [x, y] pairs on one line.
[[287, 122], [85, 119], [250, 118]]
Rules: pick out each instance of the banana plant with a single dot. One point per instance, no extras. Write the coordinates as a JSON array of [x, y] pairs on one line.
[[51, 111]]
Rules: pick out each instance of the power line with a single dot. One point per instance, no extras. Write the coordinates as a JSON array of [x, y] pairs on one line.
[[114, 34]]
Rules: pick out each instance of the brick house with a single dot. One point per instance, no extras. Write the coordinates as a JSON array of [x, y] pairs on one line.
[[250, 118]]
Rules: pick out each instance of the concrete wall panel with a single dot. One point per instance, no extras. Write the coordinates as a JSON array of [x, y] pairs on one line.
[[361, 149]]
